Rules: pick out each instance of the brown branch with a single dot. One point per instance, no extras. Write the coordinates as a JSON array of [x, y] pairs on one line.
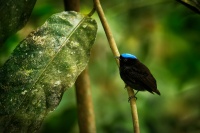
[[72, 5], [86, 117], [134, 111], [115, 51], [84, 101]]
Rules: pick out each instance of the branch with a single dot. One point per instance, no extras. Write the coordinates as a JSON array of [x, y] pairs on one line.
[[86, 118], [115, 52]]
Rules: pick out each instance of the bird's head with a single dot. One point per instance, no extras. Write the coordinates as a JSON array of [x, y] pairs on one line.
[[127, 58]]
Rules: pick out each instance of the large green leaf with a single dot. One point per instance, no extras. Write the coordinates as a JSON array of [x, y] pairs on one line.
[[14, 15], [41, 68]]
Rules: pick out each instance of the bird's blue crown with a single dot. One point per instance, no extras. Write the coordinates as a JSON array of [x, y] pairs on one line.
[[126, 55]]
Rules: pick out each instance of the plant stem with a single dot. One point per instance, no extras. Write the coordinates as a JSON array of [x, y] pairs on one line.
[[107, 29], [86, 119], [134, 110], [91, 12], [115, 51], [72, 5]]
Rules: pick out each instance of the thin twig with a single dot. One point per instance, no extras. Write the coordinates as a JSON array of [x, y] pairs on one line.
[[106, 27], [115, 51], [91, 12], [134, 110]]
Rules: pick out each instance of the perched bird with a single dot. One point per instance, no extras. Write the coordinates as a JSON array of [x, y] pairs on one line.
[[136, 75]]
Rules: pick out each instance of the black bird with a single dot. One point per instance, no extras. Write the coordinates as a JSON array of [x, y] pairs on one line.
[[136, 75]]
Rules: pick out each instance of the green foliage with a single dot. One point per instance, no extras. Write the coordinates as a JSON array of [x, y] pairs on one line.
[[164, 35], [14, 15], [41, 68], [192, 4]]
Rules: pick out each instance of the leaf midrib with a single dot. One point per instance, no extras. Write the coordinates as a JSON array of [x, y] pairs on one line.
[[46, 67]]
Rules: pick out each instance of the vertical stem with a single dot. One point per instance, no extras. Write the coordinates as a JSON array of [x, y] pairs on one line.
[[72, 5], [115, 51], [86, 117], [134, 113], [107, 29], [84, 101]]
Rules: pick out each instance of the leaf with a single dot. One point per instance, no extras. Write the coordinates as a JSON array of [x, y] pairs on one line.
[[192, 4], [41, 68], [15, 14]]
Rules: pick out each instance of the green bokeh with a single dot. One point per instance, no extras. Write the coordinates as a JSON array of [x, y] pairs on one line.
[[165, 36]]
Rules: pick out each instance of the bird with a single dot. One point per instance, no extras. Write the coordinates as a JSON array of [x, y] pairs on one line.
[[136, 75]]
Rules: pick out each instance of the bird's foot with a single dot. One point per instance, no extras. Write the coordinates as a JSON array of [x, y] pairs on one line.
[[132, 97], [129, 99], [125, 87]]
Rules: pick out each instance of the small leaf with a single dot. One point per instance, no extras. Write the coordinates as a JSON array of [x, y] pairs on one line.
[[192, 4], [41, 68], [14, 14]]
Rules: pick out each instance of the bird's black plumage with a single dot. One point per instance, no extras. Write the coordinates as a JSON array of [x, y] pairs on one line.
[[136, 75]]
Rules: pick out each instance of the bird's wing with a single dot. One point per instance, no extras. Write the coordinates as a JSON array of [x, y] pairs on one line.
[[141, 75]]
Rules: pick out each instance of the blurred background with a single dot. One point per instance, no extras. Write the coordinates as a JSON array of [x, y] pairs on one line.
[[164, 35]]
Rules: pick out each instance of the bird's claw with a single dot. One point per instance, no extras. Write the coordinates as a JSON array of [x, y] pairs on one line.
[[129, 99], [125, 87]]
